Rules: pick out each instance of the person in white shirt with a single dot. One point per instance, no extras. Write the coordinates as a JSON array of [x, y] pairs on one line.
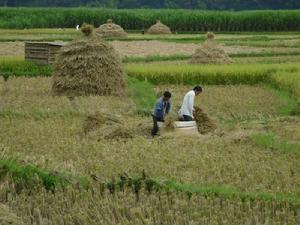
[[187, 108]]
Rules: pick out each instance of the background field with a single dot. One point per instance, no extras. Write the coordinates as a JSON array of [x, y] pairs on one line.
[[247, 172], [138, 19]]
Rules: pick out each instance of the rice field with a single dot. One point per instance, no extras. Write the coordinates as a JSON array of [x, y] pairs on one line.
[[246, 172]]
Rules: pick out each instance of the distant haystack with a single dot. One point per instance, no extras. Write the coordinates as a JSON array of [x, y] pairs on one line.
[[210, 36], [210, 53], [159, 28], [88, 66], [111, 29]]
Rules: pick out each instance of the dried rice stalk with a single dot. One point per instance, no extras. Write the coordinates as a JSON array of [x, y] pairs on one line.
[[98, 120], [8, 218], [169, 121], [144, 129], [204, 123], [115, 132], [104, 126]]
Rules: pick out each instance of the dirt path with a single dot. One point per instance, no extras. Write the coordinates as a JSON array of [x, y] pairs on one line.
[[12, 49], [144, 48]]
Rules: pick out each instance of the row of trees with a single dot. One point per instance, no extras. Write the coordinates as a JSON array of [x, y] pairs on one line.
[[189, 4]]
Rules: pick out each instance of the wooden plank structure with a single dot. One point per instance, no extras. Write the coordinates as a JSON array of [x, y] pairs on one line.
[[42, 52]]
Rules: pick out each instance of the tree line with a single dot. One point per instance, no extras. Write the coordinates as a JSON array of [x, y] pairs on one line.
[[187, 4]]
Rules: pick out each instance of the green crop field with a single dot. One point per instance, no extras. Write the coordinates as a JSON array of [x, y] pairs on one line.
[[52, 171], [178, 20]]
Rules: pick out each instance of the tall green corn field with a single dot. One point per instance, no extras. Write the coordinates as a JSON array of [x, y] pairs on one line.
[[138, 19]]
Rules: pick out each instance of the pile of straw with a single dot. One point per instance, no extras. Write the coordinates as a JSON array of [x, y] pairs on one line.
[[88, 66], [210, 53], [204, 123], [111, 29], [104, 126], [159, 28]]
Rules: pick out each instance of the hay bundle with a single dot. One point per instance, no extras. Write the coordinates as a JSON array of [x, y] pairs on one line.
[[88, 66], [210, 53], [104, 126], [159, 28], [170, 119], [8, 218], [111, 29], [204, 123], [97, 120], [144, 129]]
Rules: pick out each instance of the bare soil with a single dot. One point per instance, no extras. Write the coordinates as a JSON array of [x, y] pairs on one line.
[[144, 48], [12, 49]]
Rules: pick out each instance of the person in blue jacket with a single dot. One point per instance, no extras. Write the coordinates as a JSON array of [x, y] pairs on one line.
[[161, 108]]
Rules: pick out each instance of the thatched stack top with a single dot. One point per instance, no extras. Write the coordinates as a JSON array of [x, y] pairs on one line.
[[88, 66], [110, 29], [159, 28]]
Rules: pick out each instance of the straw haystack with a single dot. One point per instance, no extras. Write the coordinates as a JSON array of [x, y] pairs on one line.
[[210, 36], [204, 123], [111, 29], [88, 66], [210, 53], [159, 28]]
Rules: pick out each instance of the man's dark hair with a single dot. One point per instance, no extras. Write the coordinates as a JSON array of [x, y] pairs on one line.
[[198, 89], [167, 94]]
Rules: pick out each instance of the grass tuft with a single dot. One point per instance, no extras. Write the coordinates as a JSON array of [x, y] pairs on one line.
[[143, 94], [270, 141]]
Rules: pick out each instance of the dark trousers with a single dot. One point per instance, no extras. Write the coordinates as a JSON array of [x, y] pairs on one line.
[[155, 128], [187, 118]]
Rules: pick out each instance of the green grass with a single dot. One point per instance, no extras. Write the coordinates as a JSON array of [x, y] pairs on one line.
[[261, 44], [288, 80], [230, 193], [161, 58], [264, 54], [270, 141], [26, 176], [20, 67], [291, 108], [143, 94], [156, 58], [208, 74]]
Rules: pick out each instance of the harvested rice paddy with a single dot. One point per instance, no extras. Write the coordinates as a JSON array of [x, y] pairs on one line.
[[245, 172]]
